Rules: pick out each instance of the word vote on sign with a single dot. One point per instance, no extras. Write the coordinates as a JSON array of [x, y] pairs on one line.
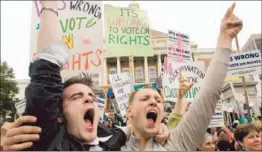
[[81, 27]]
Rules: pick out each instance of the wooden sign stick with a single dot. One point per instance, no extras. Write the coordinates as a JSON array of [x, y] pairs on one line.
[[244, 86]]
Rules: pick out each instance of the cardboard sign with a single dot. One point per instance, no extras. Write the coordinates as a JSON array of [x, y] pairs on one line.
[[81, 26], [193, 72], [122, 85], [127, 32], [246, 63], [178, 46]]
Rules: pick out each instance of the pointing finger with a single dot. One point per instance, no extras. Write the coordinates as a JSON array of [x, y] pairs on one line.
[[230, 11], [181, 78]]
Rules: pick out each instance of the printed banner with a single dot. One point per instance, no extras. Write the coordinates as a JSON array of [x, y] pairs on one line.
[[81, 27], [246, 63], [193, 72], [127, 32], [218, 118], [178, 46], [122, 85]]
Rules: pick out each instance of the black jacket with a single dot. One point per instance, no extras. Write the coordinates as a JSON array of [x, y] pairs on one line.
[[43, 96]]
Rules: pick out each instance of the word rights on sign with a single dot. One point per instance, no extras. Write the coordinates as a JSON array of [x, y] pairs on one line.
[[178, 46], [81, 26], [193, 72], [246, 63], [122, 86], [218, 118]]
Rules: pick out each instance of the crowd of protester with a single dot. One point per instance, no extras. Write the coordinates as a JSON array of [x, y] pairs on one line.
[[65, 116]]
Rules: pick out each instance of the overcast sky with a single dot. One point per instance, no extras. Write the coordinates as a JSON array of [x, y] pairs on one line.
[[201, 20]]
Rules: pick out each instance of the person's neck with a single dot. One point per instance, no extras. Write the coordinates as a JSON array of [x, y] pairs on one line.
[[142, 140]]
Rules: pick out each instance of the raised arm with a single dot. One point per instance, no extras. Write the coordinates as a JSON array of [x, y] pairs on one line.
[[189, 132], [44, 92], [176, 116], [49, 31]]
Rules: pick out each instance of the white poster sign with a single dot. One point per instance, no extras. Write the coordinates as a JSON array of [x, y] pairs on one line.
[[101, 106], [101, 100], [122, 85], [178, 46], [230, 107], [81, 25], [218, 118], [193, 72], [246, 63], [224, 106]]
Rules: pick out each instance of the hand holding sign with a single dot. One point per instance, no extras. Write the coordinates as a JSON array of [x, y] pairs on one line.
[[231, 25], [183, 86]]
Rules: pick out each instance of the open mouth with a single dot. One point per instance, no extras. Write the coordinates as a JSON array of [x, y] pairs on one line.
[[89, 117], [151, 116]]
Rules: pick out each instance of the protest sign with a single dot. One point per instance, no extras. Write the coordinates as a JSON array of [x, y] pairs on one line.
[[101, 101], [80, 23], [159, 83], [230, 107], [218, 118], [101, 106], [122, 86], [178, 46], [127, 32], [20, 107], [193, 72], [224, 106], [246, 63]]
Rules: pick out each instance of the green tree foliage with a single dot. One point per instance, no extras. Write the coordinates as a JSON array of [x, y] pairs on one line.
[[8, 90]]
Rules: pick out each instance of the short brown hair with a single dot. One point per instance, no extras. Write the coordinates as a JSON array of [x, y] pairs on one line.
[[83, 78], [243, 130], [131, 96]]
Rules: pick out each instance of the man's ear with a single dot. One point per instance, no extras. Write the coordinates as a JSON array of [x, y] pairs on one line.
[[128, 112], [60, 119]]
